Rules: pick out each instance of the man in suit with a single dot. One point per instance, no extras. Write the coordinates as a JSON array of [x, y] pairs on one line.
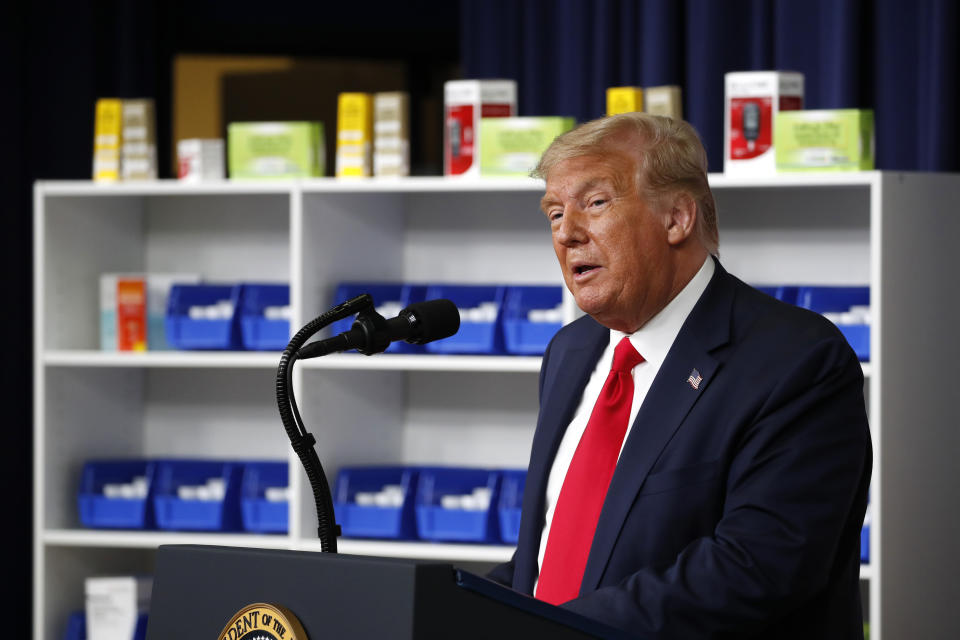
[[702, 456]]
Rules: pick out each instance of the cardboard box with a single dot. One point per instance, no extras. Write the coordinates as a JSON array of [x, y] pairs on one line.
[[107, 137], [200, 105], [513, 146], [624, 100], [391, 134], [753, 100], [354, 135], [133, 309], [123, 312], [664, 101], [114, 604], [825, 140], [275, 150], [200, 160], [465, 103], [138, 156]]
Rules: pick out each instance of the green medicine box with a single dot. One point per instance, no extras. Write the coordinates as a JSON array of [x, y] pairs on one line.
[[824, 140], [275, 150], [512, 146]]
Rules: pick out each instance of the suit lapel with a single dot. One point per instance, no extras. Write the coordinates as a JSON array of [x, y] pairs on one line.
[[673, 393]]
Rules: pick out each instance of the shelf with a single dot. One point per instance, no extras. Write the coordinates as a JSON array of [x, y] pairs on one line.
[[433, 184], [819, 228], [425, 184], [270, 360], [153, 539], [808, 179], [399, 362], [72, 188], [163, 359], [384, 548]]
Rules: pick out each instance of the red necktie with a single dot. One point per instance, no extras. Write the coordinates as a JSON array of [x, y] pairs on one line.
[[585, 485]]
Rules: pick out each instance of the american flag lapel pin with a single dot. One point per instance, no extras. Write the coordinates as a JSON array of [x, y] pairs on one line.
[[695, 379]]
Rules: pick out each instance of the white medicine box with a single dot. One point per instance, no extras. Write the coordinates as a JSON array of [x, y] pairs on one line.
[[753, 99], [465, 103]]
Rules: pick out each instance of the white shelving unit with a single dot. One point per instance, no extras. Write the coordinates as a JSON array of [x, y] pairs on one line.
[[885, 230]]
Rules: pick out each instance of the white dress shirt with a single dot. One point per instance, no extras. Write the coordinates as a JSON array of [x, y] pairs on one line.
[[653, 341]]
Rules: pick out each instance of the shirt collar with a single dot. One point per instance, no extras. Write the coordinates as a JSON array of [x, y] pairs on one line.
[[654, 339]]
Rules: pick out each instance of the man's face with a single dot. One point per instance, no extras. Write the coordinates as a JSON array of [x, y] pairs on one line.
[[610, 241]]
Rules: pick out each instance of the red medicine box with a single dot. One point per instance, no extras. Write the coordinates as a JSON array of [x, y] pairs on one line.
[[753, 99], [466, 101]]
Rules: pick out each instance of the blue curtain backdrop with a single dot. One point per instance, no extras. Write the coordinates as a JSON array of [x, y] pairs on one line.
[[896, 57]]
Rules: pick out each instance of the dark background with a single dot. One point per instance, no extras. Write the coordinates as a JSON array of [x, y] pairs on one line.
[[58, 56]]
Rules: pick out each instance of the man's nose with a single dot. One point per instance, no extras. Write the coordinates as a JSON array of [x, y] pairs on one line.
[[571, 230]]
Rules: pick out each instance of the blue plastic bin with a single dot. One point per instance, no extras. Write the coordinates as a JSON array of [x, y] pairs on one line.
[[260, 514], [372, 520], [436, 522], [259, 333], [100, 511], [511, 501], [474, 337], [839, 299], [175, 513], [76, 626], [523, 336], [389, 298], [184, 332]]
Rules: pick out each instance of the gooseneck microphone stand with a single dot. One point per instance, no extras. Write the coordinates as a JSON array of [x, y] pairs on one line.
[[302, 440], [371, 333]]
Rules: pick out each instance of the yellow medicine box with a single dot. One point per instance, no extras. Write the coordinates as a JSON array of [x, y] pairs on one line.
[[107, 138], [624, 100], [354, 135]]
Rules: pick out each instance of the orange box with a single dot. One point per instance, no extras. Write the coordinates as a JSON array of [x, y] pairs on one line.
[[131, 314]]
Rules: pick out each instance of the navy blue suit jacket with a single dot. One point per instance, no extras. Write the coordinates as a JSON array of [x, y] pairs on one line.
[[735, 508]]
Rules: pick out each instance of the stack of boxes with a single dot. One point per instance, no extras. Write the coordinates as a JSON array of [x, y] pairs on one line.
[[465, 103], [753, 100], [661, 101], [391, 134], [108, 128], [133, 309], [138, 155], [124, 140], [354, 135], [373, 134], [766, 129]]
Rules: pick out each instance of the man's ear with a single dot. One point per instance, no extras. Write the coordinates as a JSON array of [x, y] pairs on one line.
[[681, 217]]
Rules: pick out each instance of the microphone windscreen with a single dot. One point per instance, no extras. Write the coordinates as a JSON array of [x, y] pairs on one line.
[[433, 320]]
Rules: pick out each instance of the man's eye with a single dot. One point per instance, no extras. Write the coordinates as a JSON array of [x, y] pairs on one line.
[[553, 216], [598, 202]]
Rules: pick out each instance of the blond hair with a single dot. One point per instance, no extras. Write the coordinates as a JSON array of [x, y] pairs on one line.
[[672, 158]]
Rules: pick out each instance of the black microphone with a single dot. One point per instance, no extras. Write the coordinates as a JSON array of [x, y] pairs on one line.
[[419, 323]]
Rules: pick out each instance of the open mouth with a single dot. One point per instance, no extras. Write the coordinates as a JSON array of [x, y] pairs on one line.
[[584, 268]]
